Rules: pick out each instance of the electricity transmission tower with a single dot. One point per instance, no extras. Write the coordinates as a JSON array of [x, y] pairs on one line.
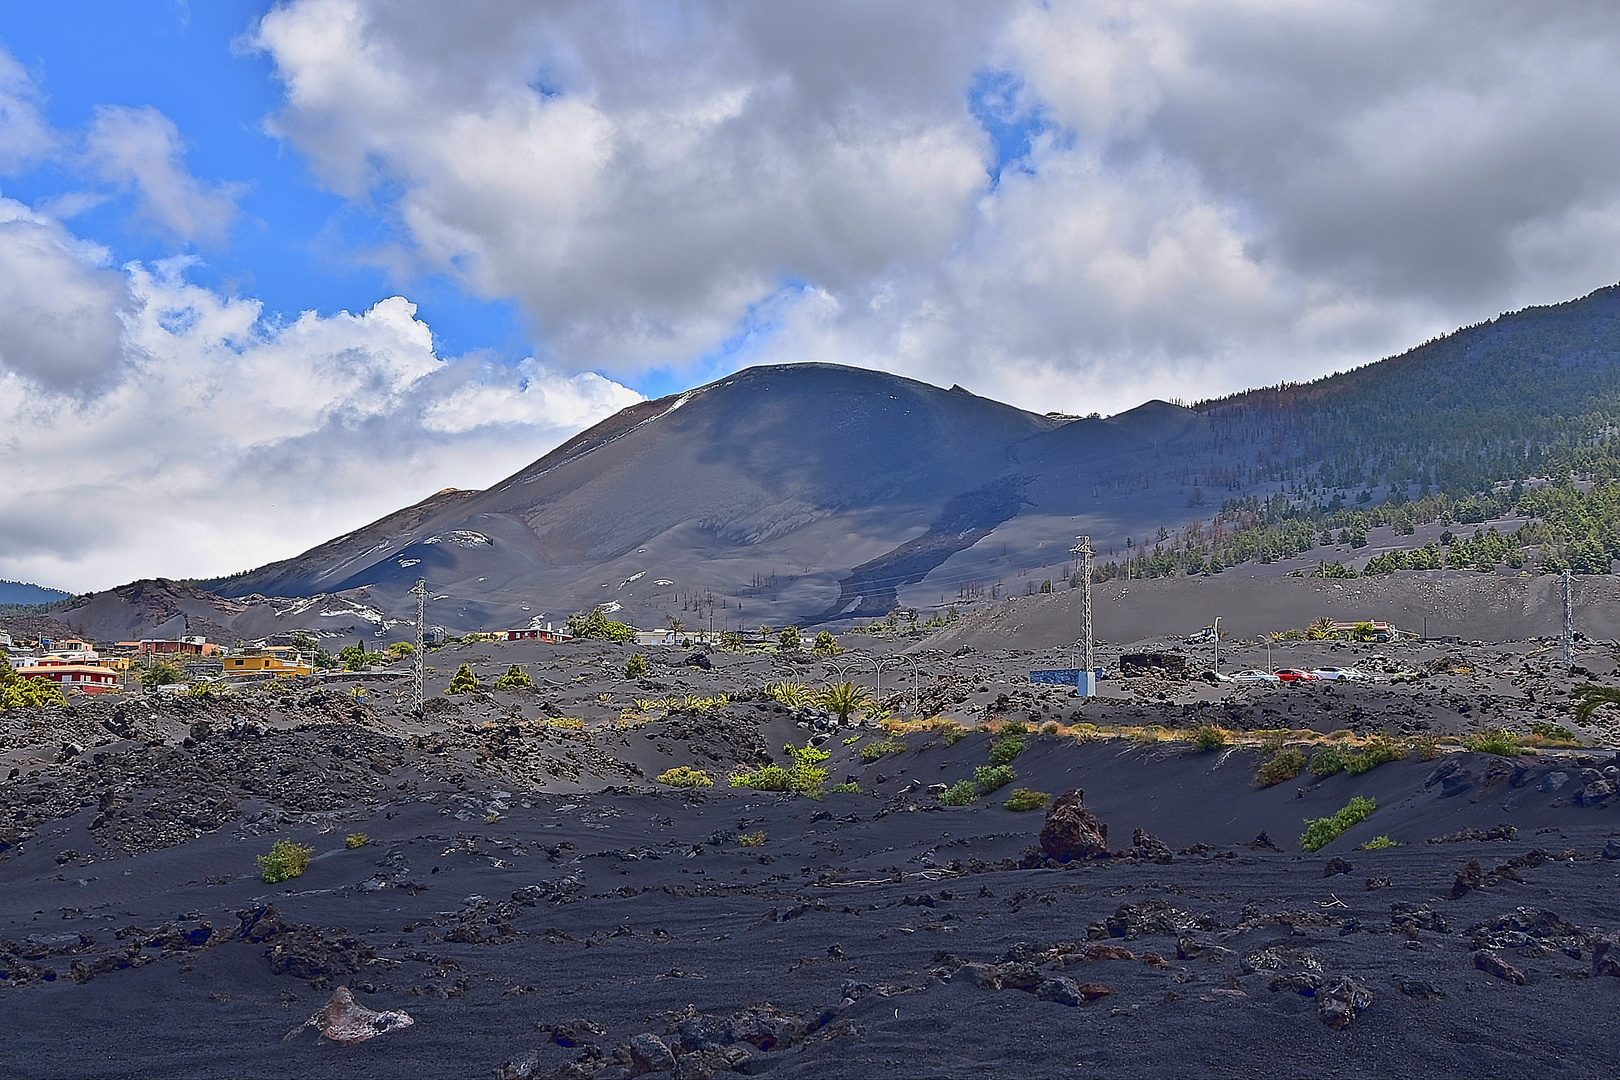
[[1083, 549], [420, 592]]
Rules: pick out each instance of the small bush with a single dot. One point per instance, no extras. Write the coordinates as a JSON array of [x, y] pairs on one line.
[[1378, 843], [1320, 832], [356, 840], [1330, 760], [1024, 799], [1147, 736], [849, 787], [463, 681], [1285, 764], [636, 666], [566, 723], [1377, 752], [993, 777], [765, 778], [1553, 733], [1426, 747], [1007, 746], [514, 679], [853, 739], [684, 776], [1014, 727], [961, 793], [873, 751], [1493, 741], [1049, 728], [1208, 737], [286, 860], [793, 695], [752, 839]]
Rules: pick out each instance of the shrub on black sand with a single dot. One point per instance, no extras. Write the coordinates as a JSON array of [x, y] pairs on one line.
[[463, 681], [684, 776], [873, 751], [286, 860], [961, 793], [992, 777], [1208, 737], [1007, 746], [636, 666], [1494, 741], [1320, 832], [1377, 752], [1285, 764], [1330, 760], [1024, 799]]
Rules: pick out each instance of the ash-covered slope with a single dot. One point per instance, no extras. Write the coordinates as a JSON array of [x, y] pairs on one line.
[[797, 492]]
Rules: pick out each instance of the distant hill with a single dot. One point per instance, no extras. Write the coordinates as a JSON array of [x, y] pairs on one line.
[[21, 592], [814, 493]]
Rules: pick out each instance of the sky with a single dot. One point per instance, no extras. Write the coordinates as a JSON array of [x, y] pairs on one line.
[[271, 271]]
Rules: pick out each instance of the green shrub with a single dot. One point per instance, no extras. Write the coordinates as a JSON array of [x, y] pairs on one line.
[[1378, 843], [1024, 799], [955, 734], [1377, 752], [1208, 737], [961, 793], [993, 777], [789, 640], [1049, 728], [808, 773], [1014, 727], [752, 839], [873, 751], [1320, 832], [1285, 764], [843, 699], [849, 787], [356, 840], [765, 778], [826, 644], [1493, 741], [636, 666], [1330, 760], [514, 679], [1553, 733], [161, 673], [597, 625], [684, 776], [286, 860], [792, 694], [463, 681], [1007, 747]]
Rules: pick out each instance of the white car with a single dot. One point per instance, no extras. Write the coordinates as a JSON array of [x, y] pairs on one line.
[[1254, 675], [1349, 673]]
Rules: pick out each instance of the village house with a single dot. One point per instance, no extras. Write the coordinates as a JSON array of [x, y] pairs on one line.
[[90, 678]]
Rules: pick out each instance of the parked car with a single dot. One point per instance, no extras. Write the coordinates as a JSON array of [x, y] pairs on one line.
[[1350, 673], [1254, 675], [1295, 675]]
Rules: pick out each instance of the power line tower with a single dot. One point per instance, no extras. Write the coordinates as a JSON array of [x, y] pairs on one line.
[[420, 592], [1083, 549], [1569, 620]]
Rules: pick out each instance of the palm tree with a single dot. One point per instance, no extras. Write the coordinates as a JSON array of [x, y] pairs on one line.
[[1593, 698], [843, 698]]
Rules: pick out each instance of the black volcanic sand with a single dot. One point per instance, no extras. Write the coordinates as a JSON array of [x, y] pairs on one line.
[[537, 903]]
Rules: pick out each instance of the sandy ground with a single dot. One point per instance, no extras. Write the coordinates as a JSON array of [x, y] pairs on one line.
[[539, 905]]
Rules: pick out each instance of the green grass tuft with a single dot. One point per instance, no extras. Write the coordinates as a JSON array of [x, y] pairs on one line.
[[1024, 799], [1320, 832], [286, 860]]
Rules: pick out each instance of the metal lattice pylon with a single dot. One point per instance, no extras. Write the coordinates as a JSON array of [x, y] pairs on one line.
[[416, 682], [1083, 549]]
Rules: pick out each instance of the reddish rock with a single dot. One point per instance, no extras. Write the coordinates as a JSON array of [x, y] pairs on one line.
[[1492, 964], [1072, 832], [344, 1021]]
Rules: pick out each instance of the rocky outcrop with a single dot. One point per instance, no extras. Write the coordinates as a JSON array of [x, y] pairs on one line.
[[1072, 832]]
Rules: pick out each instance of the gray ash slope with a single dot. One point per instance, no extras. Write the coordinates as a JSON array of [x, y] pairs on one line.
[[801, 492]]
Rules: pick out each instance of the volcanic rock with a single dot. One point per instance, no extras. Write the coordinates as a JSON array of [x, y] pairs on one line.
[[1072, 832]]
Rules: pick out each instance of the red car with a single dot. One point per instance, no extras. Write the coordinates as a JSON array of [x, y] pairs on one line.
[[1295, 675]]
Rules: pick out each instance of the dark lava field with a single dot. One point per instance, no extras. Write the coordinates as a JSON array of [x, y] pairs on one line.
[[537, 904]]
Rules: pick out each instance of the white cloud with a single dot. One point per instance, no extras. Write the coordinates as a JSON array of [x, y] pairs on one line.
[[59, 305], [228, 440], [141, 150], [1224, 195], [25, 135]]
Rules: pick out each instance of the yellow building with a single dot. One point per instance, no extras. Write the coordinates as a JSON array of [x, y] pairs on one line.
[[275, 665]]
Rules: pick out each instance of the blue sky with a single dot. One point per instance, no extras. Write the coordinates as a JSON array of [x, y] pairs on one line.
[[1062, 204], [296, 246]]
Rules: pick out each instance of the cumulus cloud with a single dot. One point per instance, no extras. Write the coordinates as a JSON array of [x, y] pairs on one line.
[[229, 439], [25, 135], [59, 304], [141, 150], [1204, 196]]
